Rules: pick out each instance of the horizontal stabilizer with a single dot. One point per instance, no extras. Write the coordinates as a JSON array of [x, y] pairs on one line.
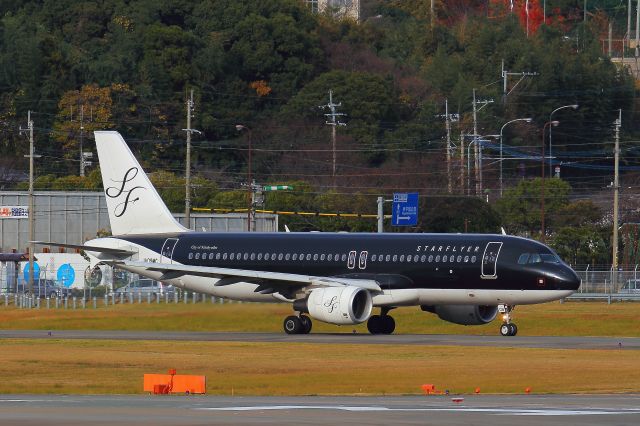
[[113, 251]]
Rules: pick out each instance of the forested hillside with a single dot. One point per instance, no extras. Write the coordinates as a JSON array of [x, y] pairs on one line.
[[269, 65]]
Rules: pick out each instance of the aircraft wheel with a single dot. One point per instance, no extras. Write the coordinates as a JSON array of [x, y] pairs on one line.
[[514, 329], [374, 325], [505, 329], [306, 324], [292, 325], [388, 324]]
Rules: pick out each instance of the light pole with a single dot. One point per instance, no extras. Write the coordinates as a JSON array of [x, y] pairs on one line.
[[574, 106], [554, 124], [528, 120], [240, 128]]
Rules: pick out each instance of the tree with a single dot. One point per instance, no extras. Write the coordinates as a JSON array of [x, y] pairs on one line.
[[520, 207]]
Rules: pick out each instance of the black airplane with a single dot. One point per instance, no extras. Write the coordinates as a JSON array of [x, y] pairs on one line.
[[337, 278]]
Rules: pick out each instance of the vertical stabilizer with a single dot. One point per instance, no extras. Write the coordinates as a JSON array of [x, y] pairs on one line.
[[133, 203]]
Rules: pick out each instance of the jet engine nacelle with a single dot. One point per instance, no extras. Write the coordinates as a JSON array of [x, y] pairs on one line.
[[464, 314], [337, 305]]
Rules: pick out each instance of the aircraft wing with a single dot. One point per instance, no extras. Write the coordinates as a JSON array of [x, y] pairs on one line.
[[229, 276]]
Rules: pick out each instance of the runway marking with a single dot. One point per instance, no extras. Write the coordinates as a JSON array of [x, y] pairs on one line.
[[494, 411]]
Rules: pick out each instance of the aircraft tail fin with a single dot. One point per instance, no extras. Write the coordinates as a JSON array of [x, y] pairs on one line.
[[133, 203]]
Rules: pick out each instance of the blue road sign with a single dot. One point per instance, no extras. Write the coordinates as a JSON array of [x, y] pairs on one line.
[[36, 271], [405, 209], [66, 275]]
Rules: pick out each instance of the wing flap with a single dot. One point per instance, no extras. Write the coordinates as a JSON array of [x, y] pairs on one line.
[[229, 276]]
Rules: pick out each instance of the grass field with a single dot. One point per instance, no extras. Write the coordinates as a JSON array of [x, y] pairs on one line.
[[551, 319], [80, 367]]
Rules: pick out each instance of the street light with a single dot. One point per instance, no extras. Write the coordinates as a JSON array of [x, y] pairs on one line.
[[574, 106], [240, 128], [528, 120], [554, 124]]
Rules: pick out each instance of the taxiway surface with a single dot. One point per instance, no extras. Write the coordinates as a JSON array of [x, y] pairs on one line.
[[548, 342], [523, 410]]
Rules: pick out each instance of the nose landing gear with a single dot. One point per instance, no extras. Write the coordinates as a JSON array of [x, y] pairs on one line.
[[507, 328]]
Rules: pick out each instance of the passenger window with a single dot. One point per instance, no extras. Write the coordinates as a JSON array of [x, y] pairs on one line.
[[232, 257], [295, 256], [246, 256], [330, 257], [224, 256], [438, 258], [402, 258], [444, 258], [308, 256], [239, 256], [287, 256], [459, 259], [387, 258], [395, 257], [523, 258], [344, 257], [315, 257], [190, 255], [473, 259], [466, 259], [253, 256], [336, 257], [373, 257], [323, 256], [218, 256], [279, 256], [423, 258], [197, 256]]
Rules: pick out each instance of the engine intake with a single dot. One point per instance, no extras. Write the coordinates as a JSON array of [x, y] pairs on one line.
[[464, 314], [337, 305]]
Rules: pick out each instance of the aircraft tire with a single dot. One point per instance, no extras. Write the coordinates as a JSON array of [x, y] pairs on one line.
[[374, 324], [292, 325], [514, 329], [388, 325], [306, 324], [505, 329]]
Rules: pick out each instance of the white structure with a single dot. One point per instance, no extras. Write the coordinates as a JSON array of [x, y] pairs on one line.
[[340, 8]]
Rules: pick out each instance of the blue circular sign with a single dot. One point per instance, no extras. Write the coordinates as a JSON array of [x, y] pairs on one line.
[[36, 271], [66, 275]]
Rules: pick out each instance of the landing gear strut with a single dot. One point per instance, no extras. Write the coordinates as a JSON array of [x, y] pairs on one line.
[[297, 324], [381, 324], [507, 328]]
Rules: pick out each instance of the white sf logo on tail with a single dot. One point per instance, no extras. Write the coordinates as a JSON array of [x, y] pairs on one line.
[[114, 192]]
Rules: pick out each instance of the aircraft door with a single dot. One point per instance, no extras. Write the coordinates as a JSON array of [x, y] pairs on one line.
[[490, 260], [166, 254]]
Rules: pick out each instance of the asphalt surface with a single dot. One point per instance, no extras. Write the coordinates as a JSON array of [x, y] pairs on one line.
[[548, 342], [521, 410]]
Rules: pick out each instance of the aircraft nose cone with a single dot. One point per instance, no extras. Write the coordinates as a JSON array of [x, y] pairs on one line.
[[569, 280]]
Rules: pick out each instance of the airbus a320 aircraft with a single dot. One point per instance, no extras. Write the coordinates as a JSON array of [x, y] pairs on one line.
[[338, 278]]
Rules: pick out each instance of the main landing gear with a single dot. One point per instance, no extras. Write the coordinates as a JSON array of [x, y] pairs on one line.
[[507, 328], [381, 324], [297, 324]]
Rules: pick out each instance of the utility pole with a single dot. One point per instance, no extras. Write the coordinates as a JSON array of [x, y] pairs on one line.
[[505, 77], [333, 115], [31, 202], [462, 187], [637, 35], [432, 14], [81, 140], [616, 188], [477, 150], [189, 130], [628, 37], [449, 118]]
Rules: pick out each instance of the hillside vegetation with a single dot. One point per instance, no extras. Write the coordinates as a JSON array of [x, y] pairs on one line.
[[269, 65]]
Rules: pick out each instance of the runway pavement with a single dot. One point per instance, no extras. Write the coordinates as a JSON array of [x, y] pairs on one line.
[[548, 342], [522, 410]]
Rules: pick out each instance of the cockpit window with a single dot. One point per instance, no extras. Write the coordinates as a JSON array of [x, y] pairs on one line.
[[550, 258], [538, 258]]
